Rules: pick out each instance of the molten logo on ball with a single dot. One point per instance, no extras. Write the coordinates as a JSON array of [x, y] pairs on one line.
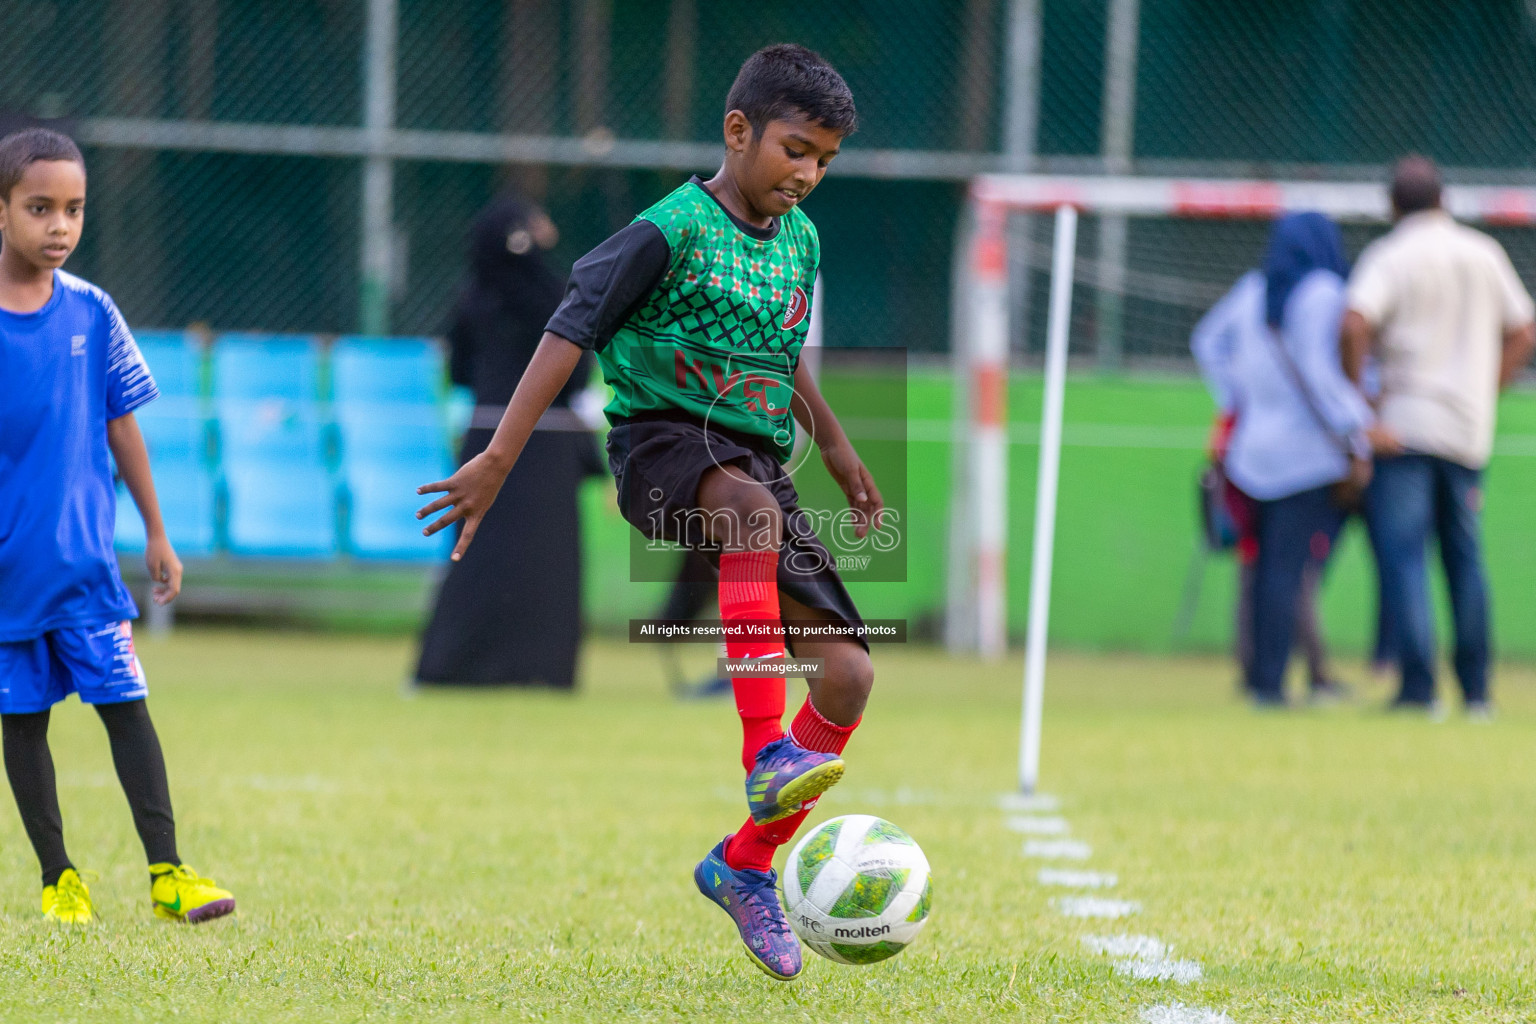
[[857, 889]]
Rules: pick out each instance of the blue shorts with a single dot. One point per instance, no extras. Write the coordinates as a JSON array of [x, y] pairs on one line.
[[98, 664]]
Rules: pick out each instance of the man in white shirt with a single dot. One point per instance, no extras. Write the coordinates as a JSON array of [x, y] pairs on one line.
[[1450, 324]]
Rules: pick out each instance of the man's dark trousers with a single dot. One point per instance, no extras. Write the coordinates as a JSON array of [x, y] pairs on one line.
[[1412, 497]]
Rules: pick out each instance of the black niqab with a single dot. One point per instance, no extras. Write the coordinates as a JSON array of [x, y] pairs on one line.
[[508, 296], [510, 611]]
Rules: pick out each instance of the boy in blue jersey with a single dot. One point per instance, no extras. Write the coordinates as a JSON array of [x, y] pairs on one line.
[[72, 376]]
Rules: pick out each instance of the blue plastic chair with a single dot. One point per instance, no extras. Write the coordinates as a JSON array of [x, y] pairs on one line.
[[393, 435], [259, 366], [270, 432], [386, 371], [383, 523], [173, 436], [281, 511], [175, 361], [187, 505]]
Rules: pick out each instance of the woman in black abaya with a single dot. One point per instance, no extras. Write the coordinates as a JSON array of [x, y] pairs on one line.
[[510, 611]]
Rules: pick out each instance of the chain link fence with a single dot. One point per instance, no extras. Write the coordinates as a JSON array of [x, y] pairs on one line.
[[925, 71], [1339, 81], [265, 231], [1175, 269]]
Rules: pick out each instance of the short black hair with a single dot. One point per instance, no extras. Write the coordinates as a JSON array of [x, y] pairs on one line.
[[22, 149], [1415, 184], [785, 79]]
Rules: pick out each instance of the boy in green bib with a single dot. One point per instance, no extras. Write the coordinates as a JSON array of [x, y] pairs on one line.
[[697, 312]]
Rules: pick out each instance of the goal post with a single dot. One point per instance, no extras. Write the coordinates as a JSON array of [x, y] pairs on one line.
[[977, 600]]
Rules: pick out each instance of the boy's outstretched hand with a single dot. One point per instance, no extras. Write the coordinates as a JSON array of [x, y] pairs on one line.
[[467, 495], [164, 569], [845, 466]]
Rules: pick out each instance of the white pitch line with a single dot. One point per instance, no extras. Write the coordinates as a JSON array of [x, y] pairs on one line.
[[1037, 826], [1057, 849], [1141, 957], [1179, 1013], [1144, 947], [1077, 879], [1181, 971], [1144, 958], [1096, 906], [1029, 803]]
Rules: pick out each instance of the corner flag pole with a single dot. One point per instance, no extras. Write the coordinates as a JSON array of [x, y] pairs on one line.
[[1062, 260]]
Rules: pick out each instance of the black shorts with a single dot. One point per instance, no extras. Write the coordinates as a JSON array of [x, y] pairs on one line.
[[657, 462]]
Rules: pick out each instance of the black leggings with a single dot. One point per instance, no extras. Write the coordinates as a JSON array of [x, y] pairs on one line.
[[140, 769]]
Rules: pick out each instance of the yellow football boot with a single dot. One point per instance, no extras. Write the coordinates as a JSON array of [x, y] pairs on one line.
[[178, 894], [68, 900]]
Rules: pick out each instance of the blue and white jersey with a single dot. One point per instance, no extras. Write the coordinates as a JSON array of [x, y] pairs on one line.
[[65, 370]]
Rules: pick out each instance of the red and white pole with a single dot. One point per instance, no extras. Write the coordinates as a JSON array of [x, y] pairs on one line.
[[989, 425]]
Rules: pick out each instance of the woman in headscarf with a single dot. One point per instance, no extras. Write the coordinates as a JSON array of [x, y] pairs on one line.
[[510, 611], [1300, 449]]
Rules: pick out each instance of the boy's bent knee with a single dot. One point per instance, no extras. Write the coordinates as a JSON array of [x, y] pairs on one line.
[[841, 694], [743, 514], [854, 669], [860, 676]]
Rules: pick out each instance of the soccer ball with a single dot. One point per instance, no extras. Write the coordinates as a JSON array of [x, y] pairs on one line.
[[857, 889]]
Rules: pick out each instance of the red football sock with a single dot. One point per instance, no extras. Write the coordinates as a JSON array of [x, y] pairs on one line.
[[813, 732], [749, 595], [753, 846]]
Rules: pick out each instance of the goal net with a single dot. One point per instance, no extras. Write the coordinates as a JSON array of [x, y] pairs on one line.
[[1114, 271]]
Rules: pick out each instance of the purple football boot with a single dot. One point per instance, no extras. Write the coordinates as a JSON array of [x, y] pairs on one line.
[[753, 903], [785, 775]]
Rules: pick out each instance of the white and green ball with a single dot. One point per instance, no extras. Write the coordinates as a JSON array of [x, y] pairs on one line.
[[857, 889]]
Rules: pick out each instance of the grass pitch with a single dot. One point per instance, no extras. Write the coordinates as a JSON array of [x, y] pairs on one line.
[[516, 856]]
